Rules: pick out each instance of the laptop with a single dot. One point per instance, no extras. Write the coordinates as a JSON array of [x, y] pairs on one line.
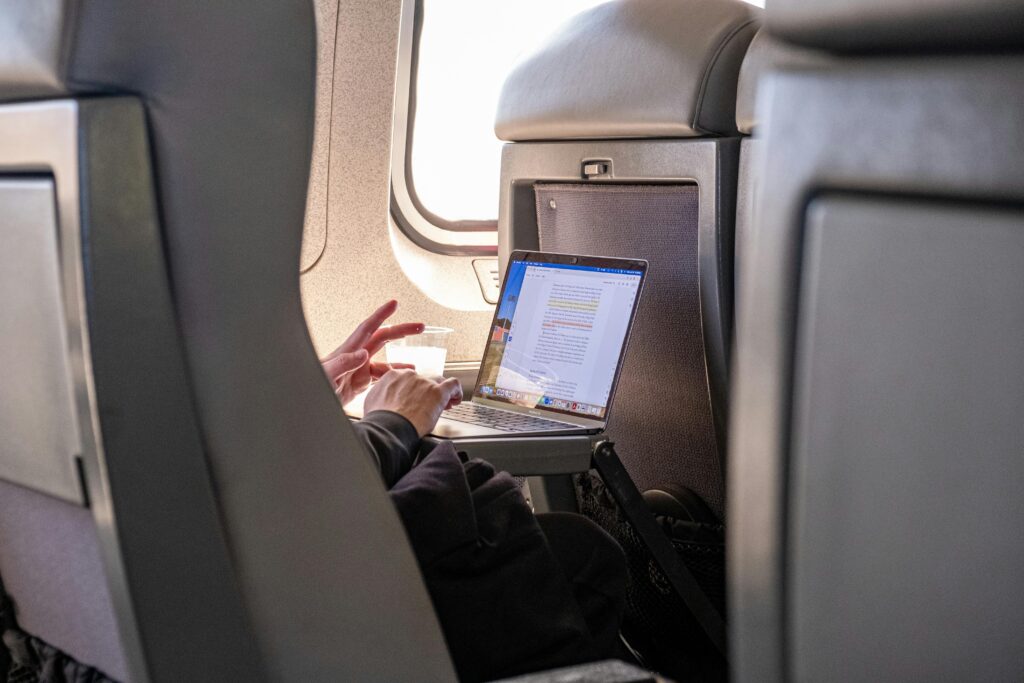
[[554, 350]]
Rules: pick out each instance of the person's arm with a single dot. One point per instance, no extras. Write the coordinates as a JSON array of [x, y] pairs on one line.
[[392, 440], [401, 408]]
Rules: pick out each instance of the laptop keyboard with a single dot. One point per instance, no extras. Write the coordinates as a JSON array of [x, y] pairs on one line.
[[502, 420]]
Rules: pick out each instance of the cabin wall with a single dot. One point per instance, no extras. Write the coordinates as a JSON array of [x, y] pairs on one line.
[[348, 259]]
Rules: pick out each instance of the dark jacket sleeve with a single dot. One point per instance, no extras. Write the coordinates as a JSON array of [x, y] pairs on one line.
[[392, 440]]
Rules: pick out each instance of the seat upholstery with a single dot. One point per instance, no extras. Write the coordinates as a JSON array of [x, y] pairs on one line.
[[283, 557], [33, 46], [764, 56], [631, 69], [875, 440], [900, 26], [754, 64]]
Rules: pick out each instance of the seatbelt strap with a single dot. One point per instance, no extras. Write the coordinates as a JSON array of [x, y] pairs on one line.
[[631, 503]]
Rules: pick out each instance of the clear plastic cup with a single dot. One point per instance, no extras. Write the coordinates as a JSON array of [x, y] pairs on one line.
[[427, 351]]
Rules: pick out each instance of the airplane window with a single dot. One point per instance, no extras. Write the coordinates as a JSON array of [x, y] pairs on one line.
[[466, 49], [446, 160]]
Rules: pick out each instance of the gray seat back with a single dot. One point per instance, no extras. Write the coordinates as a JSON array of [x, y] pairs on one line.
[[764, 56], [615, 150], [182, 498], [875, 458], [754, 63]]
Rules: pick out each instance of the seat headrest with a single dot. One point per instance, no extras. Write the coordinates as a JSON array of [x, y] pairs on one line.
[[899, 26], [756, 62], [764, 55], [632, 69], [31, 48]]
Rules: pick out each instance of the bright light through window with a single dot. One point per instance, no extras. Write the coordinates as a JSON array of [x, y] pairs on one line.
[[466, 49]]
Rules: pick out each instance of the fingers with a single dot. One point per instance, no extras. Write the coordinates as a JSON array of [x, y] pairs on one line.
[[452, 392], [362, 334], [370, 336], [345, 363], [390, 333], [378, 370], [341, 349]]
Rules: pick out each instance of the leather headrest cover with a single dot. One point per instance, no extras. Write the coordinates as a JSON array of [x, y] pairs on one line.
[[632, 69], [899, 26], [764, 55], [31, 45], [754, 64]]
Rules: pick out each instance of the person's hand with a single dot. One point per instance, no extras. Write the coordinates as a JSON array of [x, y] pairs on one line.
[[349, 366], [418, 399]]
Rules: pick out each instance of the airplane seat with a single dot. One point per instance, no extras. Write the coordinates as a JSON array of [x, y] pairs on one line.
[[763, 56], [180, 496], [746, 122], [622, 142], [875, 449]]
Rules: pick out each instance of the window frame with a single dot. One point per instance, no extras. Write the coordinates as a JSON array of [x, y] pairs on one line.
[[423, 227]]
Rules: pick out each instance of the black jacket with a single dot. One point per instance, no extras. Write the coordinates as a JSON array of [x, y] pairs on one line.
[[503, 600], [392, 440]]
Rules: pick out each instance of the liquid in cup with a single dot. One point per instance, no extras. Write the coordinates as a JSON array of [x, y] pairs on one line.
[[427, 351]]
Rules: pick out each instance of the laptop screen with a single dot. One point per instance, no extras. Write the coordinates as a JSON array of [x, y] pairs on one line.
[[559, 332]]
